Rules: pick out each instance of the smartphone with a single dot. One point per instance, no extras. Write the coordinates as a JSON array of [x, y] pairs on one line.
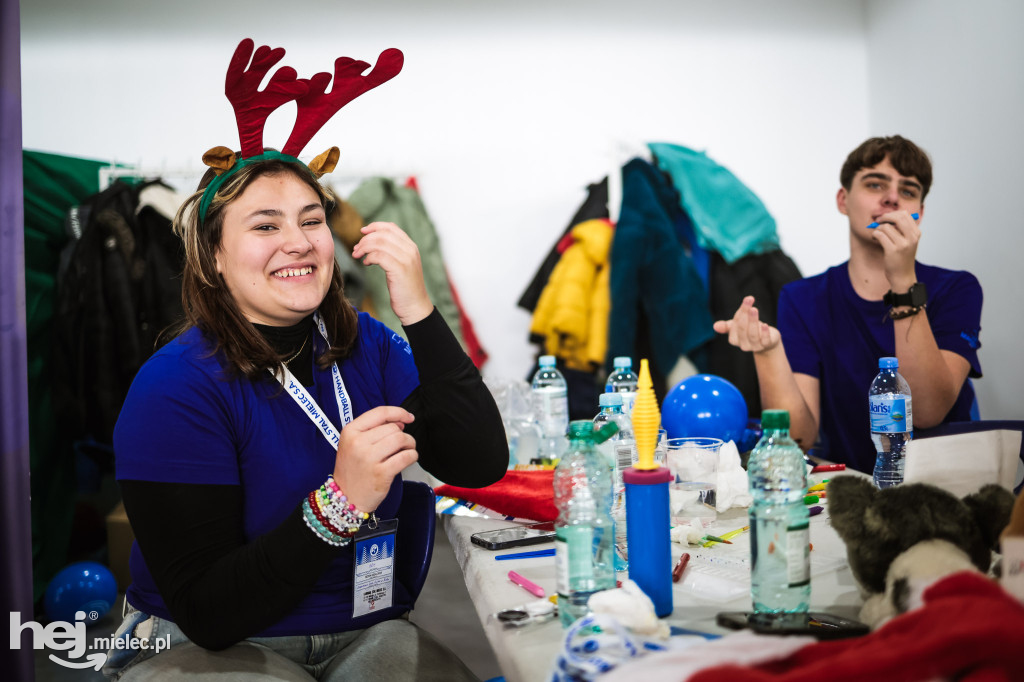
[[816, 624], [515, 536]]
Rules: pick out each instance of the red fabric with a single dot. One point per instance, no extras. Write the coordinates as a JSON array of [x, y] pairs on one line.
[[565, 242], [968, 629], [474, 349], [524, 494]]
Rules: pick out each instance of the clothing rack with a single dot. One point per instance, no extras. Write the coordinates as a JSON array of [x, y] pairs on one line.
[[107, 174]]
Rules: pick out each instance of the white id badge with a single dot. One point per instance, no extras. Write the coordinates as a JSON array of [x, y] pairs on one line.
[[374, 579]]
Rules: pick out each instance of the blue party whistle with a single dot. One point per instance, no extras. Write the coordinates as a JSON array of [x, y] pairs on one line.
[[874, 225]]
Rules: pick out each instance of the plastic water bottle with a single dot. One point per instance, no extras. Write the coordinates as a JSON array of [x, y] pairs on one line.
[[780, 571], [892, 421], [584, 553], [618, 451], [623, 380], [550, 408]]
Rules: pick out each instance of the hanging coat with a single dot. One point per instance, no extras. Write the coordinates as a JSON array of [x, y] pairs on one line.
[[382, 199], [572, 313]]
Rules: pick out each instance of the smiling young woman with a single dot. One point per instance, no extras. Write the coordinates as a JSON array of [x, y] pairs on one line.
[[263, 444]]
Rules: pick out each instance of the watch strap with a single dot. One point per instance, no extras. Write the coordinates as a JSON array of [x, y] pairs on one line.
[[916, 297]]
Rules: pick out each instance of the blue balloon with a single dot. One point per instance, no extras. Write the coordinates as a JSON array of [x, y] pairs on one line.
[[85, 586], [707, 406]]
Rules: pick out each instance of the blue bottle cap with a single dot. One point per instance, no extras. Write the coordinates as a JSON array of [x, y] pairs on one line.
[[622, 361], [609, 399], [547, 361], [888, 363]]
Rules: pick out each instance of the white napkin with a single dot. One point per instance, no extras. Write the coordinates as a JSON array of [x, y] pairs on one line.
[[963, 462], [631, 607], [732, 489]]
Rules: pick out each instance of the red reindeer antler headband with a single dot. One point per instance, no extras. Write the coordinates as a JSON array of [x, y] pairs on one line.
[[315, 107]]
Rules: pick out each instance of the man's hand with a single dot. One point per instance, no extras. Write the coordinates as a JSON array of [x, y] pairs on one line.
[[746, 331], [898, 235]]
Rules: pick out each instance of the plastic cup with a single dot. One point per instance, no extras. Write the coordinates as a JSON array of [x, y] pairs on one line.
[[694, 466]]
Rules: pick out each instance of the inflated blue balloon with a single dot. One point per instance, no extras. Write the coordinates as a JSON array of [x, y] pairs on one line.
[[707, 406], [85, 586]]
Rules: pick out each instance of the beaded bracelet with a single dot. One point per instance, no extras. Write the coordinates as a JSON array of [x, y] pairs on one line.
[[329, 514], [333, 524], [314, 525], [899, 315], [318, 512], [339, 503]]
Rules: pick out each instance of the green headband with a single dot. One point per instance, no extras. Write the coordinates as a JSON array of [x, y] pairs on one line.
[[211, 190]]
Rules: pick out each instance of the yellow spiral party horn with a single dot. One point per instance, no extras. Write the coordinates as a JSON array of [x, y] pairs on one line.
[[646, 419]]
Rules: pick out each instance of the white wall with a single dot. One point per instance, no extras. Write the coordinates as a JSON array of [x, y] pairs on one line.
[[505, 110], [949, 76]]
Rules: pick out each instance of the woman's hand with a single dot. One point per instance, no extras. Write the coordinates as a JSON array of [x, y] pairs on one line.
[[386, 245], [746, 331], [374, 448]]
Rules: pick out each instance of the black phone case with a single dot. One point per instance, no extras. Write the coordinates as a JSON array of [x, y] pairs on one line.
[[817, 624], [481, 540]]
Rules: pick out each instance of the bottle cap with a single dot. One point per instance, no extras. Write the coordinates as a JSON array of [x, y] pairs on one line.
[[888, 363], [581, 429], [609, 399], [547, 361], [775, 419], [622, 361]]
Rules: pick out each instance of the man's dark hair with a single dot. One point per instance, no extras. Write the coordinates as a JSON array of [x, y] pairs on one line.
[[905, 156]]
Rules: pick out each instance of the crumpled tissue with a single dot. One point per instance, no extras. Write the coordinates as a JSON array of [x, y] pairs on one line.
[[732, 488]]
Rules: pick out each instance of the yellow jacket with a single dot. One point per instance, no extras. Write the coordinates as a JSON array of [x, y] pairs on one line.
[[572, 312]]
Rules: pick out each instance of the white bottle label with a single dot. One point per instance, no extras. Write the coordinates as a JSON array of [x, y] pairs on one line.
[[552, 409], [561, 565], [798, 549], [890, 414]]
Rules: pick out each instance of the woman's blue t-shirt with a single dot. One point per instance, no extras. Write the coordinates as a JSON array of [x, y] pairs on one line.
[[187, 420]]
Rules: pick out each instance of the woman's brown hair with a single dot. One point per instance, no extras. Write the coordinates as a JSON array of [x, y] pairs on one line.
[[205, 298]]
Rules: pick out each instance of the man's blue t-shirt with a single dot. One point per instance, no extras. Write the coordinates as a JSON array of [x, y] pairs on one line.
[[187, 420], [831, 333]]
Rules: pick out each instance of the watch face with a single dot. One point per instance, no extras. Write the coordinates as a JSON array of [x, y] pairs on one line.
[[918, 295]]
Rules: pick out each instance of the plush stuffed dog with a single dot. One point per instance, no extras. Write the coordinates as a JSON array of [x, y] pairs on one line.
[[900, 540]]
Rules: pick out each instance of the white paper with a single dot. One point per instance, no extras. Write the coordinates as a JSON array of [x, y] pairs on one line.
[[963, 462]]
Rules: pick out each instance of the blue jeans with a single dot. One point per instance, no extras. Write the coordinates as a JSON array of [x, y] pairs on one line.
[[393, 650]]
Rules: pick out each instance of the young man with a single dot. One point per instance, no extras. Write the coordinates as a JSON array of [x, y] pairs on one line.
[[833, 327]]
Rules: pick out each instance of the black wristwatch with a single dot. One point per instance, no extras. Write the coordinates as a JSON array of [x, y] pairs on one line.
[[915, 298]]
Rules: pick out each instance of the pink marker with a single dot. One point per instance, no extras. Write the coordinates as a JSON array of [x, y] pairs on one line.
[[531, 587]]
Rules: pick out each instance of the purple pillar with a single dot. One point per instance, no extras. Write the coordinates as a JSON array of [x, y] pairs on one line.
[[15, 520]]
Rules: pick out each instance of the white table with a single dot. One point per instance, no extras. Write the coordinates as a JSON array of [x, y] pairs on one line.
[[526, 654]]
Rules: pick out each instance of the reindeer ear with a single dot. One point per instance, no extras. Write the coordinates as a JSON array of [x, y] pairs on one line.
[[325, 163], [220, 159]]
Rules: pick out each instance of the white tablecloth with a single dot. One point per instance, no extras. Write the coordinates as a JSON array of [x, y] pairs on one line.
[[526, 654]]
